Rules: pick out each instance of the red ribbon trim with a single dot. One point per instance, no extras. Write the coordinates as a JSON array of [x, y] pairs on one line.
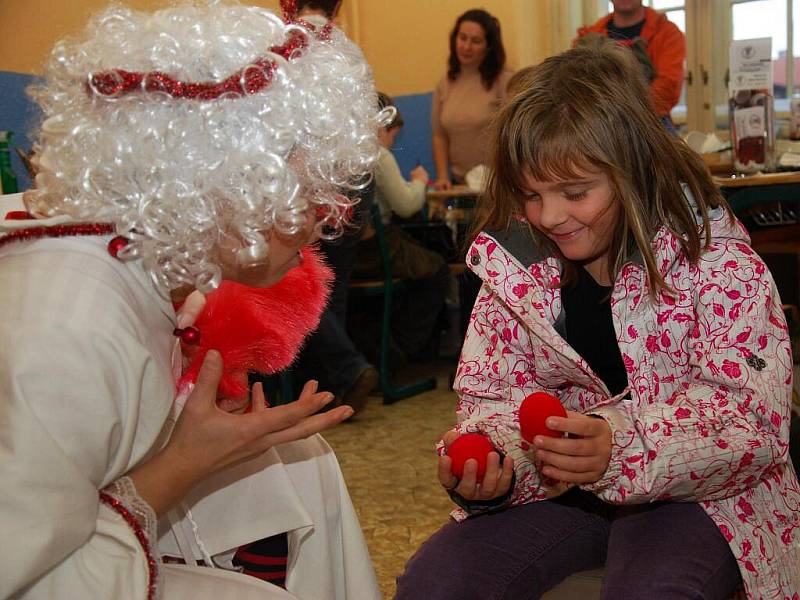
[[138, 530], [56, 231]]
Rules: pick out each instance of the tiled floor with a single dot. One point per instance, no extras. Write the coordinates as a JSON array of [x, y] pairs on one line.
[[389, 464], [388, 459]]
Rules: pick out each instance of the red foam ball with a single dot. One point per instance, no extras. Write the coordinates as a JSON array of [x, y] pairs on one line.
[[534, 412], [464, 447]]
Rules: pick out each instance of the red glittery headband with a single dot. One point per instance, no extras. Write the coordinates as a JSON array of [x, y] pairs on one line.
[[248, 80], [289, 9]]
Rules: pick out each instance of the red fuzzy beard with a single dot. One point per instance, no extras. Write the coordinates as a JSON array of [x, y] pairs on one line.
[[259, 329]]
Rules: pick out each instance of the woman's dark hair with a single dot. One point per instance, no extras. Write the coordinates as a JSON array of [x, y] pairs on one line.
[[385, 100], [495, 58], [329, 7]]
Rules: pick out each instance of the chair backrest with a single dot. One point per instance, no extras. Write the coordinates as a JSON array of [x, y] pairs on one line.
[[383, 245]]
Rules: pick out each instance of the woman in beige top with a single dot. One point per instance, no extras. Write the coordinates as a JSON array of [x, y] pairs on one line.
[[466, 98]]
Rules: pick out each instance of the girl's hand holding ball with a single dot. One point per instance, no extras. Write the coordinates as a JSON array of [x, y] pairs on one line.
[[472, 467], [569, 447]]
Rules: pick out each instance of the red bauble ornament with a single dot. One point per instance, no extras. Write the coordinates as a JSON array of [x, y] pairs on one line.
[[188, 335], [116, 245], [534, 412], [469, 445]]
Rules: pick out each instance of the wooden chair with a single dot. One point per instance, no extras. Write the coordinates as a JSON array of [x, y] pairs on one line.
[[387, 286]]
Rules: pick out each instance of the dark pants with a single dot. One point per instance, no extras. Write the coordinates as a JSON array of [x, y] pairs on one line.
[[427, 276], [330, 356], [663, 550]]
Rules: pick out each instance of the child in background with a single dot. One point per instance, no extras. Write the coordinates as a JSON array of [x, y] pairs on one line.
[[417, 310], [393, 193], [636, 300]]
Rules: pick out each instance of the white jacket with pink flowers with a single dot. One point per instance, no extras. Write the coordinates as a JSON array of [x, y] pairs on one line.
[[709, 372]]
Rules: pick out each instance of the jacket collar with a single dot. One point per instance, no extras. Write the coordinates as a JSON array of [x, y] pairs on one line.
[[516, 240], [522, 288], [652, 21]]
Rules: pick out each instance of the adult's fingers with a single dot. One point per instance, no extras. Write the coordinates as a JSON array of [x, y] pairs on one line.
[[288, 415], [190, 309], [258, 400], [308, 426], [208, 378], [309, 389]]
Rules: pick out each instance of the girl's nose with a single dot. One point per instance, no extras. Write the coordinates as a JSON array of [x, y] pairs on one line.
[[552, 213]]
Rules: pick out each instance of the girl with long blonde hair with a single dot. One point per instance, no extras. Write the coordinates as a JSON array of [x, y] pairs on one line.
[[616, 279]]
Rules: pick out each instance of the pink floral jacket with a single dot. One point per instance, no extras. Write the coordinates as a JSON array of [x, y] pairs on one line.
[[709, 372]]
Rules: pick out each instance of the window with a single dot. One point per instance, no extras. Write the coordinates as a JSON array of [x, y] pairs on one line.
[[765, 18], [710, 26], [722, 21]]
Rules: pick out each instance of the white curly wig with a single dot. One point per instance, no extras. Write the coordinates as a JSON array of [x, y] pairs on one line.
[[182, 178]]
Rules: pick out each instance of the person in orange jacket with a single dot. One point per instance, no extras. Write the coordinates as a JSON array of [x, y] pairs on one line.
[[651, 36]]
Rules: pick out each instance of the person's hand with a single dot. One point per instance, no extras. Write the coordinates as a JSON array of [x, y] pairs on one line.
[[420, 174], [190, 309], [442, 184], [207, 438], [496, 481], [581, 458]]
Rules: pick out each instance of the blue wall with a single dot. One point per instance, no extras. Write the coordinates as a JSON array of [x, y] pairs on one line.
[[413, 145], [20, 115]]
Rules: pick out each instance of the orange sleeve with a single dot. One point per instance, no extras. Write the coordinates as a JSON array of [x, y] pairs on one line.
[[667, 51]]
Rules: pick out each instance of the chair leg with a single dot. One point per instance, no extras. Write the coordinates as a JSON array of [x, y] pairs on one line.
[[392, 393]]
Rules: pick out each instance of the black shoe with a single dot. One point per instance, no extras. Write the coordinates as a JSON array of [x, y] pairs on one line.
[[356, 396]]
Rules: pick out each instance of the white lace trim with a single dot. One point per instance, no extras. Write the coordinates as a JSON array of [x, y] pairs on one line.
[[124, 491]]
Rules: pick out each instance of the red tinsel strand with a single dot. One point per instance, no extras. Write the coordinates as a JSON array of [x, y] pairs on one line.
[[19, 215], [289, 9], [248, 80], [138, 530], [323, 34], [56, 231]]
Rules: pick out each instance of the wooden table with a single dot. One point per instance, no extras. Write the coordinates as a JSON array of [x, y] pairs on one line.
[[717, 164], [758, 179], [457, 191], [460, 198]]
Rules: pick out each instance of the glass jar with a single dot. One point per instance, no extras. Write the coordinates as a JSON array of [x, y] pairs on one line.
[[751, 114], [794, 117]]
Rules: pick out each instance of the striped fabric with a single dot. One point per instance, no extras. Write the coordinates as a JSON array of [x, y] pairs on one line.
[[265, 559]]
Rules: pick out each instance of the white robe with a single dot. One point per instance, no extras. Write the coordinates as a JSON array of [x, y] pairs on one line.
[[85, 371]]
